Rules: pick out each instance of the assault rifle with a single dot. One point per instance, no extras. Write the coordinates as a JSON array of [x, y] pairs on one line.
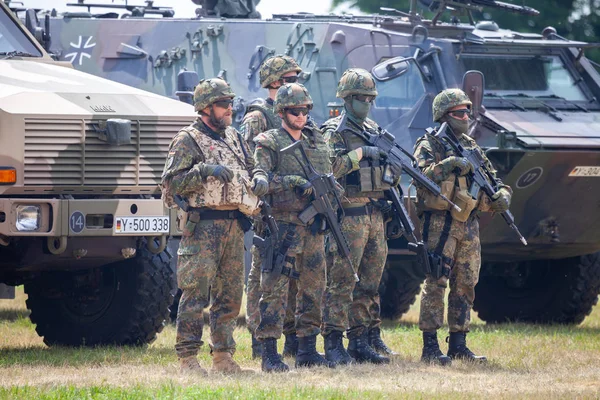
[[397, 155], [482, 178], [324, 185]]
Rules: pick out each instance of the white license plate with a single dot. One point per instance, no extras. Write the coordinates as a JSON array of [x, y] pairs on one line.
[[136, 225], [585, 171]]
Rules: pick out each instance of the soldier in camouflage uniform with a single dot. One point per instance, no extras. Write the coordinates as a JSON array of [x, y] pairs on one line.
[[360, 169], [452, 235], [205, 159], [261, 117], [290, 193]]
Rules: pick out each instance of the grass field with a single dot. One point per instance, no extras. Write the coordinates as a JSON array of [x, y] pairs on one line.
[[526, 361]]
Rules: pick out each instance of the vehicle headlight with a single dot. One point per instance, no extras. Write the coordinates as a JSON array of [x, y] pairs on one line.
[[28, 218]]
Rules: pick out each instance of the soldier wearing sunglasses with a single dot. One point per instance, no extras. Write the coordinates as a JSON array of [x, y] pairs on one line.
[[451, 235], [261, 117], [204, 159], [360, 168], [289, 194]]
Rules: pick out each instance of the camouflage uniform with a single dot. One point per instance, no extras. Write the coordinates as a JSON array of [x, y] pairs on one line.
[[450, 234], [348, 304], [210, 264], [261, 117]]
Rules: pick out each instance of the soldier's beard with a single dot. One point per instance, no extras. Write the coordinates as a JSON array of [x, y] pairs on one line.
[[219, 123], [293, 125]]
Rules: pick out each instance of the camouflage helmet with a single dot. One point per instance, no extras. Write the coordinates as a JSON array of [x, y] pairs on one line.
[[273, 68], [292, 95], [356, 81], [447, 99], [208, 91]]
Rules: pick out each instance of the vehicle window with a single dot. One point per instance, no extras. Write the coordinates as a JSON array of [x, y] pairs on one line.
[[532, 76], [12, 38], [402, 91]]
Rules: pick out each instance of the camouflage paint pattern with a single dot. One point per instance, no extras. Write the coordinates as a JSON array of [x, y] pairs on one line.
[[464, 248], [348, 304], [308, 249], [210, 267], [273, 68], [292, 95], [208, 91], [447, 99], [356, 81], [259, 118]]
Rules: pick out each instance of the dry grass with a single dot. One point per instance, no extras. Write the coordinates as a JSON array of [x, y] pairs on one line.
[[527, 361]]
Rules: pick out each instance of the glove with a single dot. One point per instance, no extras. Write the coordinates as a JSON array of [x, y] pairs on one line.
[[220, 172], [460, 163], [501, 200], [304, 190], [260, 186], [396, 173], [373, 152]]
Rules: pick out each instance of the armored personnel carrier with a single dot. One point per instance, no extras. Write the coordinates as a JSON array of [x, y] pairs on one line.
[[536, 115], [82, 225]]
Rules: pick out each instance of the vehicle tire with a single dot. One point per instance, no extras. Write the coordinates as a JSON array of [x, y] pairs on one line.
[[399, 287], [547, 291], [123, 303]]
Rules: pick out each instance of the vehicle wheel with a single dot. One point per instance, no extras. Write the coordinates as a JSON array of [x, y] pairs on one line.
[[542, 291], [399, 287], [123, 303]]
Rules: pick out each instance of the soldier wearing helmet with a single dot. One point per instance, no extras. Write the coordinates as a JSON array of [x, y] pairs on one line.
[[289, 194], [451, 235], [204, 159], [360, 169], [261, 117]]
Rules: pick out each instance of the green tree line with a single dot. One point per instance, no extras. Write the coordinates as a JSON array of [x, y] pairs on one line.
[[572, 19]]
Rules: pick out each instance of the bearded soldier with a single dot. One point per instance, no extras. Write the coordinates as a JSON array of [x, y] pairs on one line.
[[261, 117], [452, 235], [208, 173], [360, 169], [289, 194]]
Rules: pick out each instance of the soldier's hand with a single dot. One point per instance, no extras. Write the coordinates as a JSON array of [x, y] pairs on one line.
[[458, 163], [220, 172], [304, 190], [501, 200], [260, 186], [373, 152]]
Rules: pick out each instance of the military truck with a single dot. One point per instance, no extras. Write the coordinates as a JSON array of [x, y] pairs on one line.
[[537, 115], [82, 226]]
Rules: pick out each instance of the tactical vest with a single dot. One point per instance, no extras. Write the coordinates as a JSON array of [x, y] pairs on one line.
[[273, 120], [454, 187], [367, 180], [286, 164], [226, 151]]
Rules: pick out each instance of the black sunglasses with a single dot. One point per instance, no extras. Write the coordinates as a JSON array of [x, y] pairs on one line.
[[460, 113], [289, 79], [223, 103], [298, 111], [364, 98]]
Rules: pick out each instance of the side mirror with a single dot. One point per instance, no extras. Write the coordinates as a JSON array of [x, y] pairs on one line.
[[473, 85]]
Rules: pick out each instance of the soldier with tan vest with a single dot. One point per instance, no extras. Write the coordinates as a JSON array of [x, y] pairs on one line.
[[211, 168], [450, 234]]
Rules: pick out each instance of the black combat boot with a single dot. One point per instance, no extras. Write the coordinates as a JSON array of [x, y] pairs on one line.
[[431, 350], [307, 354], [458, 349], [360, 350], [271, 360], [335, 351], [257, 347], [290, 347], [377, 343]]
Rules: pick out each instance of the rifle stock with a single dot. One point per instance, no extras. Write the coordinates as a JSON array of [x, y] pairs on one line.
[[324, 185]]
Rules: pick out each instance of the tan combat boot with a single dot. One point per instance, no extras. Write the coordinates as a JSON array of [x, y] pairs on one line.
[[223, 362], [190, 365]]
